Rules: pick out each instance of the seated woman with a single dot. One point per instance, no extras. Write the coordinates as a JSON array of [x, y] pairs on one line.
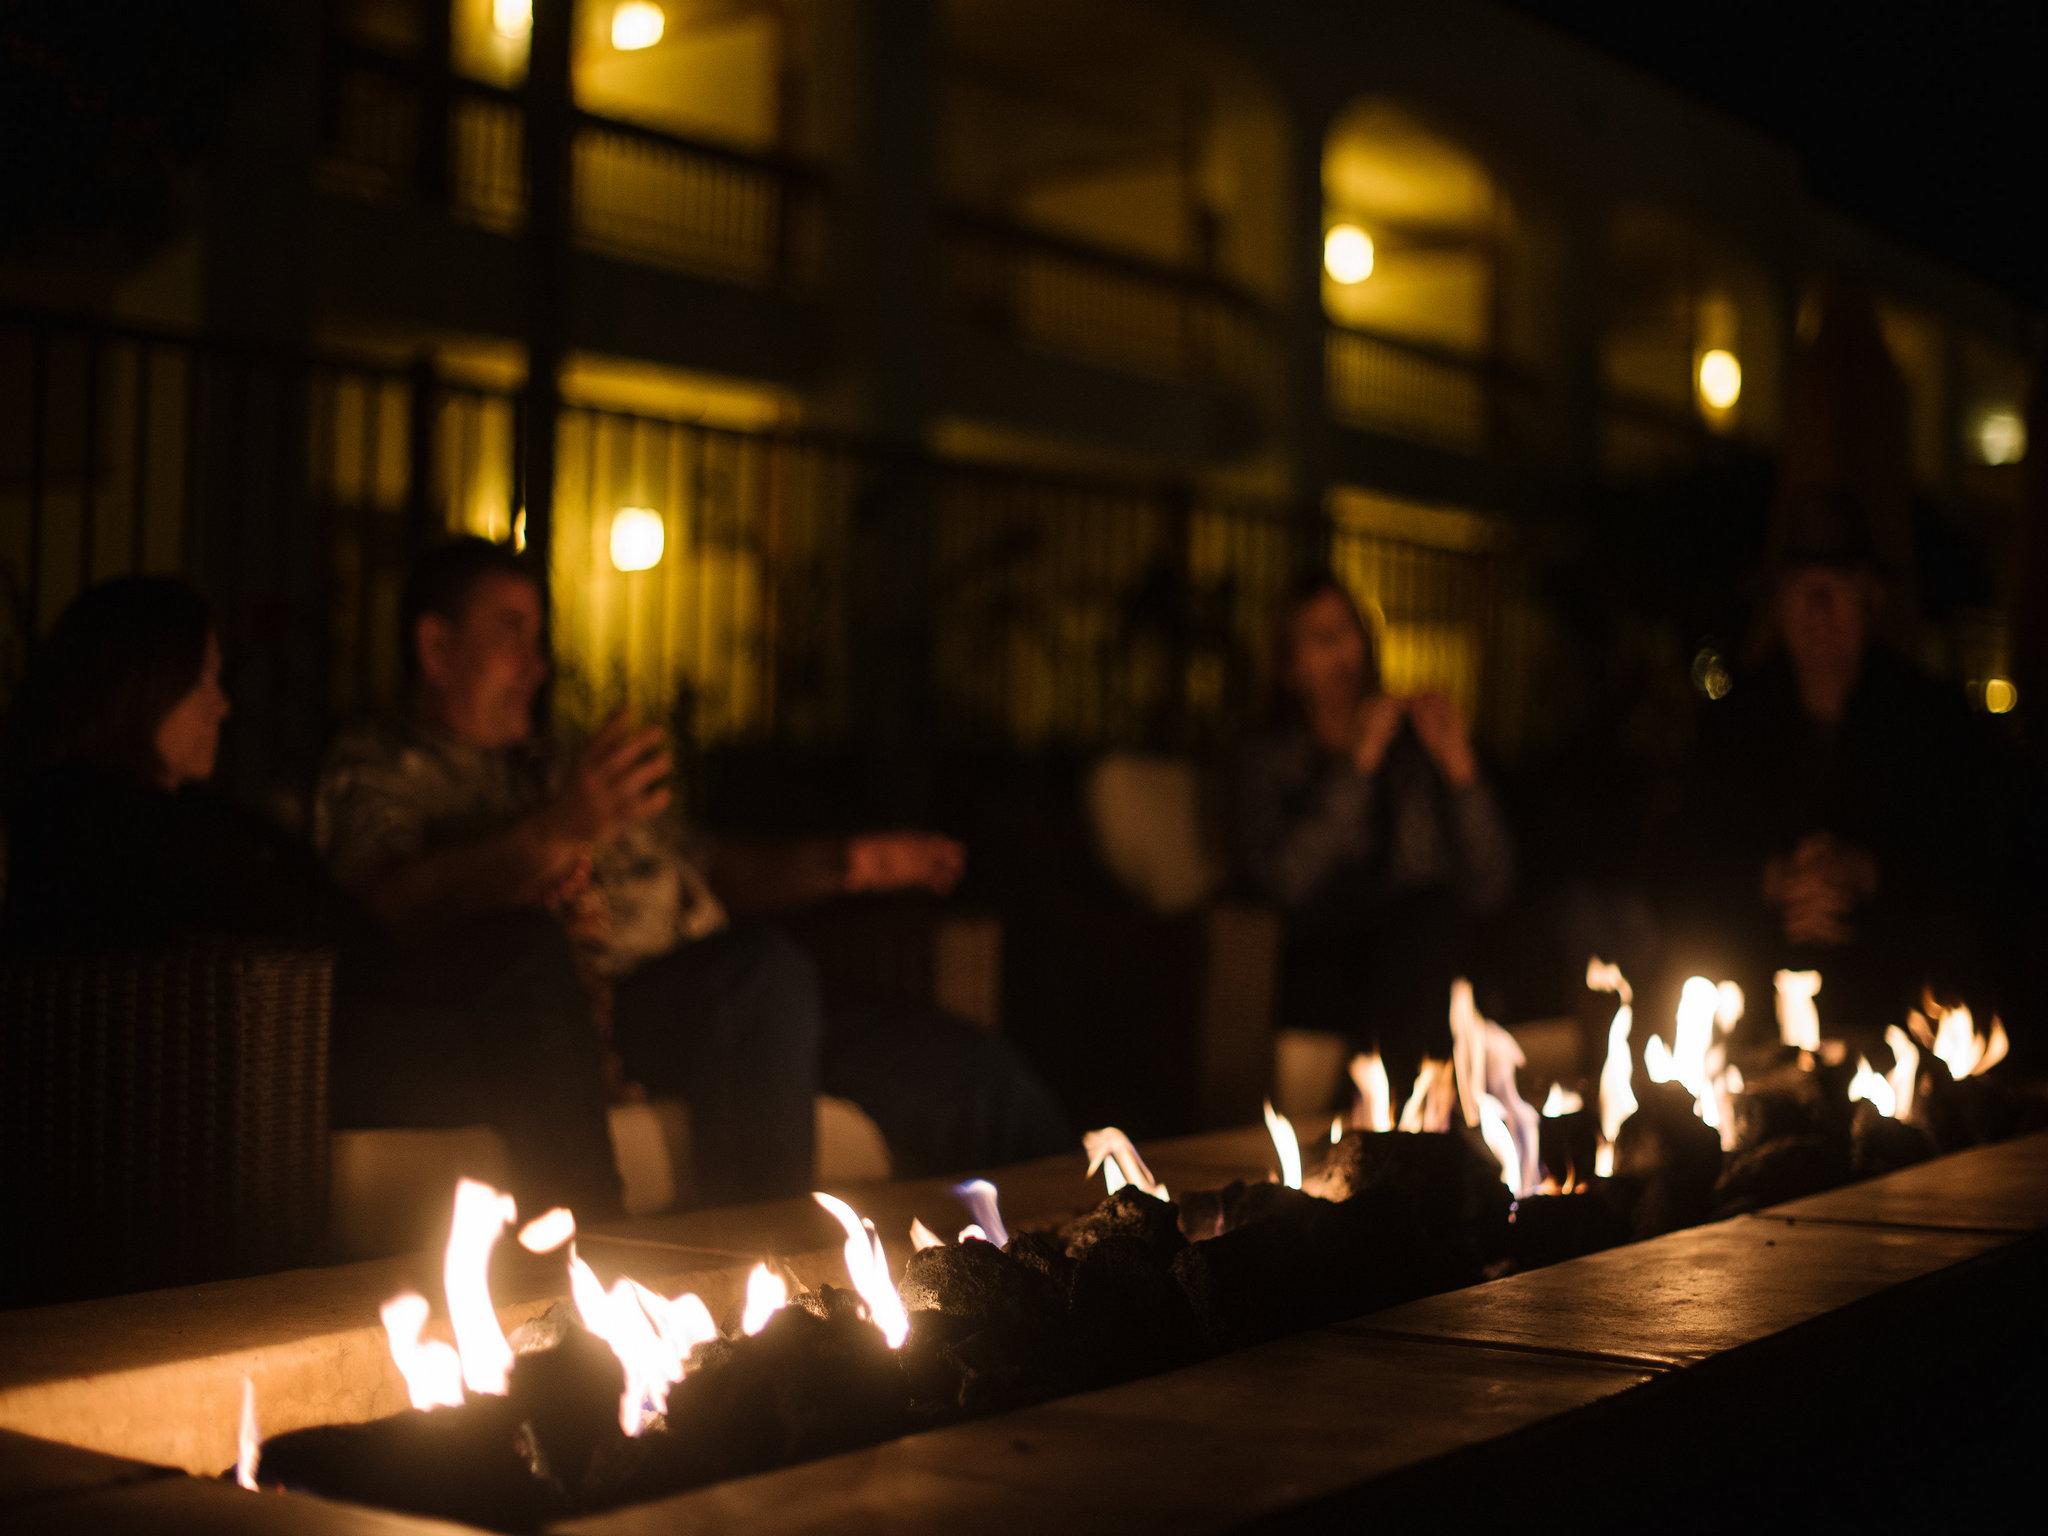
[[1363, 816], [114, 842]]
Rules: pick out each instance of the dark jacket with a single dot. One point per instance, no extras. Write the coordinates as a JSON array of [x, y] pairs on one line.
[[1318, 838], [96, 860]]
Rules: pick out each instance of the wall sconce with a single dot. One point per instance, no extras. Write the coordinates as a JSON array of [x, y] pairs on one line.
[[1720, 379], [638, 539], [637, 24], [1347, 254], [512, 19], [2001, 437]]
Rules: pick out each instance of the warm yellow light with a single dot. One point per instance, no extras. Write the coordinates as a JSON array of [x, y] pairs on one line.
[[2000, 696], [638, 539], [637, 24], [2001, 437], [512, 18], [519, 532], [1720, 379], [1347, 253]]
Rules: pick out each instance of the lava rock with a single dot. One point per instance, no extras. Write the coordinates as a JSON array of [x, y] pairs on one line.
[[1448, 1181], [464, 1464], [1253, 1283], [1548, 1229], [1676, 1157], [818, 1378], [980, 1281], [1567, 1144], [1786, 1169], [1879, 1144], [1128, 1316], [1127, 1214], [568, 1396]]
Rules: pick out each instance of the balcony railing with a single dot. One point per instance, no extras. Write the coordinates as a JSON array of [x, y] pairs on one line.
[[1413, 389], [1100, 306], [647, 196]]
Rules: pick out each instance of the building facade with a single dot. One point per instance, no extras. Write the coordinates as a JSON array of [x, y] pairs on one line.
[[968, 367]]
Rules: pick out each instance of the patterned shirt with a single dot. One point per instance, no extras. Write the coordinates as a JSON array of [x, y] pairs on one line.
[[389, 794]]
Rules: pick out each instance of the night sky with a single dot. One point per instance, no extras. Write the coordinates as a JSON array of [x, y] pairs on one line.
[[1927, 120]]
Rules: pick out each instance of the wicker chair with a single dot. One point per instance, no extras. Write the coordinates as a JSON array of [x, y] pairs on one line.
[[163, 1115]]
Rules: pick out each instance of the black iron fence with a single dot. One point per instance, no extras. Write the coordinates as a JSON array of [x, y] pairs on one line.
[[400, 134], [749, 586], [1078, 300]]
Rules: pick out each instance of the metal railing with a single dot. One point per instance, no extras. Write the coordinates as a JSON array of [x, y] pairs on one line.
[[797, 574], [1097, 305], [1380, 382], [641, 194], [290, 487]]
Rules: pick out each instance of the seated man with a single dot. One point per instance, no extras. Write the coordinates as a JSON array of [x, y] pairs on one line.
[[1834, 808], [484, 856]]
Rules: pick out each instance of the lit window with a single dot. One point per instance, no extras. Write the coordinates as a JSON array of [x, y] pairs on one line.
[[1720, 379], [512, 18], [637, 24], [1347, 253], [638, 539], [2001, 438]]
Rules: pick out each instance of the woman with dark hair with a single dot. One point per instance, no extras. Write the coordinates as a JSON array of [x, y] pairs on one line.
[[113, 841], [1362, 815]]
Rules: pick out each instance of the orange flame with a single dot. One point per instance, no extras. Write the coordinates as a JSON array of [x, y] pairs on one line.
[[868, 1267], [548, 1231], [1955, 1042], [481, 1214], [1798, 1017], [248, 1442], [1285, 1146], [1111, 1151], [1562, 1101], [432, 1370], [1375, 1110], [1904, 1076], [979, 1196], [767, 1294], [1869, 1087], [1617, 1074], [923, 1237], [1430, 1101]]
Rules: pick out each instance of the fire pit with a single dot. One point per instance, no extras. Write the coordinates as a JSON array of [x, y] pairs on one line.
[[672, 1369]]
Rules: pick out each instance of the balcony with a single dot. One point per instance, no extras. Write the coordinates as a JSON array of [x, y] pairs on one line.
[[1093, 305], [398, 134], [1427, 393]]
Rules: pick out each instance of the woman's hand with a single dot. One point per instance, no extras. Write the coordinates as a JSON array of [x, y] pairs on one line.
[[903, 861], [1379, 718], [1441, 730]]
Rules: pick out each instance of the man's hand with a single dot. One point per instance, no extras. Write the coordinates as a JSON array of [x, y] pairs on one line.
[[1379, 717], [902, 861], [617, 780], [1441, 730], [1817, 888]]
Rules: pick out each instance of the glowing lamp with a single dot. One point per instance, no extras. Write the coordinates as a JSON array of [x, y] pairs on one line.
[[2000, 695], [2001, 437], [512, 18], [1720, 379], [638, 539], [637, 24], [1347, 253]]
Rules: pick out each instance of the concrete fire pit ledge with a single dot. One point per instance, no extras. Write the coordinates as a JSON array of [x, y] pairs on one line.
[[1839, 1357]]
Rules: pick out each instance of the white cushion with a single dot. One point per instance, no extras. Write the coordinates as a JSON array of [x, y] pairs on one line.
[[1146, 817]]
